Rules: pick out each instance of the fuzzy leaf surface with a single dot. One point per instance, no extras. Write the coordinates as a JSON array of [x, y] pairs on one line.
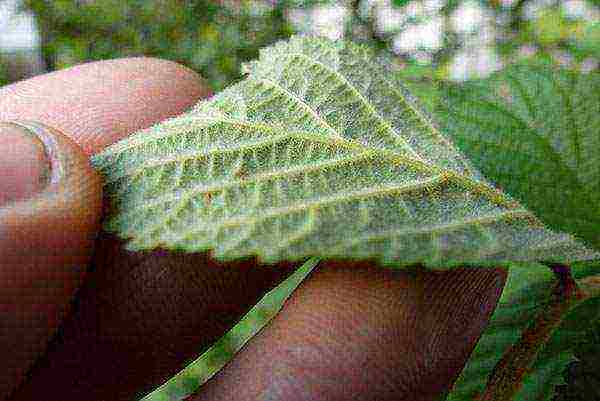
[[317, 152]]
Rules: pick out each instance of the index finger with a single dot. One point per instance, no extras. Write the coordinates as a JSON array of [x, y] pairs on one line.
[[98, 103]]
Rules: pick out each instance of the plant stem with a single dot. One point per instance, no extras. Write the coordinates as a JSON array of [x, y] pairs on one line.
[[590, 286], [507, 377]]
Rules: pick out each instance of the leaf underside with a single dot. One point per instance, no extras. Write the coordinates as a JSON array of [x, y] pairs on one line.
[[317, 152]]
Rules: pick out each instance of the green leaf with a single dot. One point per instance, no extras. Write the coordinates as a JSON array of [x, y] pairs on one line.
[[317, 152], [535, 131], [580, 332], [558, 352], [400, 3], [581, 375]]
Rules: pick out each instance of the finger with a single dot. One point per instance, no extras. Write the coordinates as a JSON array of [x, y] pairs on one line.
[[47, 229], [152, 312], [95, 104], [141, 321], [355, 332], [98, 103]]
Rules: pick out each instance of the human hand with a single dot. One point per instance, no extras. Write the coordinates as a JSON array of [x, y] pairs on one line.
[[352, 331]]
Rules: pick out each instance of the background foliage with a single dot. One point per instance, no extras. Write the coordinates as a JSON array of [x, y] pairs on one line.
[[430, 39], [209, 37]]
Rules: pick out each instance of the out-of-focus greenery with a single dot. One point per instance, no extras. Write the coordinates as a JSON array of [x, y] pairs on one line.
[[213, 37], [3, 78], [209, 37]]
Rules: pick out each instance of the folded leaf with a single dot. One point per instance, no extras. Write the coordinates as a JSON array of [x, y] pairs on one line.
[[317, 152], [535, 131]]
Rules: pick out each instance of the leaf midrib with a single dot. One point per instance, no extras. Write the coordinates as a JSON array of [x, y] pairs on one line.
[[493, 193], [418, 162], [372, 191], [226, 184]]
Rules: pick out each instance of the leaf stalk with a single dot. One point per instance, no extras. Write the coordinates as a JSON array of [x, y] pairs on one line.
[[509, 373]]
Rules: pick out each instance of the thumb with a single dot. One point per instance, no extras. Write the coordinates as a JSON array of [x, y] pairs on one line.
[[50, 206]]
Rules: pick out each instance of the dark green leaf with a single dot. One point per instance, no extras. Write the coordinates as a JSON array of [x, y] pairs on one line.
[[534, 130]]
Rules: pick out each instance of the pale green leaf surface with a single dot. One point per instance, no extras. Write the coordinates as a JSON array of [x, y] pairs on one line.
[[534, 130], [315, 153]]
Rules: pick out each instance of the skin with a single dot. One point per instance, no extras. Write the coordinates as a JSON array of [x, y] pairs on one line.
[[82, 318]]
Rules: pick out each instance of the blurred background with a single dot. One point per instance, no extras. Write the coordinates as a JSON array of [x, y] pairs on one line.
[[430, 40]]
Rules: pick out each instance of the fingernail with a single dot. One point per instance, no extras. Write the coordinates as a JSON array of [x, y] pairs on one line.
[[25, 160]]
